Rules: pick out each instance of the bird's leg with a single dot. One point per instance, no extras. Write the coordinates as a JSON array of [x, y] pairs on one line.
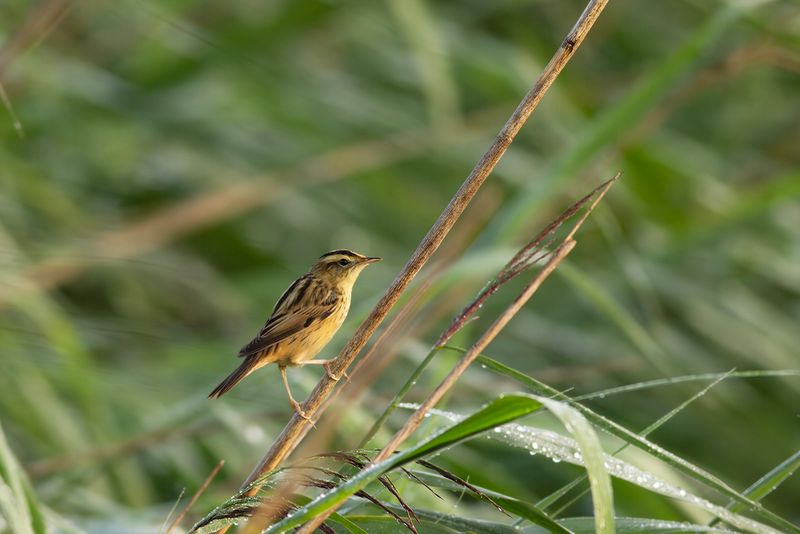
[[326, 364], [294, 403]]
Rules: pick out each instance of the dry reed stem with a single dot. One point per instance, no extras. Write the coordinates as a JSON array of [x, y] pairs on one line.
[[297, 427]]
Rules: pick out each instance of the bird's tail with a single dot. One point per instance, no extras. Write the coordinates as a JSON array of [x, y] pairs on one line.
[[247, 367]]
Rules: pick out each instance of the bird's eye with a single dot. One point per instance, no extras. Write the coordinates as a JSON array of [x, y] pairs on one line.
[[343, 262]]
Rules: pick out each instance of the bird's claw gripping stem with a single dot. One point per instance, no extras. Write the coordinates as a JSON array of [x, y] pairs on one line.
[[331, 374], [299, 411]]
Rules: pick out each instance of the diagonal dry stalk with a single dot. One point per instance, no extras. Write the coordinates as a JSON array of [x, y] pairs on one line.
[[528, 255], [297, 427], [203, 487]]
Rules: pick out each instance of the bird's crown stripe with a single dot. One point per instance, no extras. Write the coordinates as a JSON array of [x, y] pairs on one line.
[[341, 252]]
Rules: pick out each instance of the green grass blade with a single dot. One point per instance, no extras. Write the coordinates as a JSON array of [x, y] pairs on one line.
[[592, 452], [625, 525], [459, 523], [768, 483], [18, 504], [521, 509], [380, 524], [661, 382]]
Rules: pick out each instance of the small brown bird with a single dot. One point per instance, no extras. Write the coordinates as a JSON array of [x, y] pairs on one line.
[[304, 320]]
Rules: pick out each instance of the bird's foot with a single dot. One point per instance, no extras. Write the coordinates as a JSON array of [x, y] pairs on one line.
[[331, 374], [299, 410]]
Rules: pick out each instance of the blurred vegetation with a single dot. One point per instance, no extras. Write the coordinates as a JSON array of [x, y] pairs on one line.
[[177, 164]]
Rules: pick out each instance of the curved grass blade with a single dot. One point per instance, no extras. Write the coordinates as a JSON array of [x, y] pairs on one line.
[[631, 525], [768, 483], [18, 504], [521, 509], [592, 452], [660, 382]]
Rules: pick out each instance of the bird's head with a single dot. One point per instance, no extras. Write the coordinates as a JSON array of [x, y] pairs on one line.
[[342, 267]]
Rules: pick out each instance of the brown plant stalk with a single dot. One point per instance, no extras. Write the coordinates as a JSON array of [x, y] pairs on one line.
[[532, 251], [297, 427]]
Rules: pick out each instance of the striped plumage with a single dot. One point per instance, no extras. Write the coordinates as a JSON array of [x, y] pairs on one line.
[[304, 320]]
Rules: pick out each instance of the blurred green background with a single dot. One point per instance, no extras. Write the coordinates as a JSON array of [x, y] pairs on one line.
[[177, 164]]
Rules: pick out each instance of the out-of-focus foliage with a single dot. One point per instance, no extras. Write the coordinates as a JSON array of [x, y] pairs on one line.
[[177, 164]]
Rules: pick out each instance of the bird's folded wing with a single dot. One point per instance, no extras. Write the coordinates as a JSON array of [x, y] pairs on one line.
[[281, 326]]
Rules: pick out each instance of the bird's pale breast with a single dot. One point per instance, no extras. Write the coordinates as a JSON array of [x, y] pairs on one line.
[[307, 344]]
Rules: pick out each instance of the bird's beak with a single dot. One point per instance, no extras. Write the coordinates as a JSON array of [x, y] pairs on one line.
[[372, 259]]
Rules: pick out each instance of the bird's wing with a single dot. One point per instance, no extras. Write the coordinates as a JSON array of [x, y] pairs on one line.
[[292, 315]]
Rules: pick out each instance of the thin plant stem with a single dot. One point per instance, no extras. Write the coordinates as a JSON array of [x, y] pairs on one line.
[[203, 487]]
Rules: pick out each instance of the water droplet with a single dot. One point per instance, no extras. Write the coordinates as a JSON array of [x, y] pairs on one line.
[[556, 460]]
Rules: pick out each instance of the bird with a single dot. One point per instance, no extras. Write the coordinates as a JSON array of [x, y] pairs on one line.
[[303, 321]]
